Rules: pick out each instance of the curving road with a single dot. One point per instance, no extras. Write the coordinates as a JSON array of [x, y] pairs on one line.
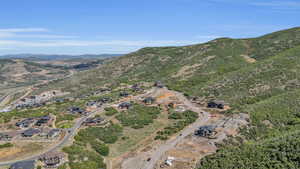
[[69, 135]]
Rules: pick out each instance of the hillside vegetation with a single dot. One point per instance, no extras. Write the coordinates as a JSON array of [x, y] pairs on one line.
[[259, 76], [15, 73]]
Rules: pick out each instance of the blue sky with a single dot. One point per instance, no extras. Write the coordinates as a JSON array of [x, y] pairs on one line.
[[121, 26]]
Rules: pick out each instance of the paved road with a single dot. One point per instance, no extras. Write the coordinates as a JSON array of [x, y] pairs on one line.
[[69, 135]]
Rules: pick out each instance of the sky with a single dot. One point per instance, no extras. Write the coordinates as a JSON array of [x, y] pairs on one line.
[[122, 26]]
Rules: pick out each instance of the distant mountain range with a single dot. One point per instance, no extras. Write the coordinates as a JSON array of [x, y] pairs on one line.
[[56, 57]]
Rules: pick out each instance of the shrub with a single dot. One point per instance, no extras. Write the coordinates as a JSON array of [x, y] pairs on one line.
[[138, 116], [109, 111], [6, 145]]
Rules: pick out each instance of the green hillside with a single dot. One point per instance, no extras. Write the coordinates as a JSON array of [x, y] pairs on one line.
[[194, 65], [260, 76], [273, 139]]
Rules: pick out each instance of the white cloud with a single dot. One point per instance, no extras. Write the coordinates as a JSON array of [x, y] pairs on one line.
[[45, 36], [37, 36], [6, 34], [124, 43], [31, 39], [1, 48], [18, 30], [30, 33]]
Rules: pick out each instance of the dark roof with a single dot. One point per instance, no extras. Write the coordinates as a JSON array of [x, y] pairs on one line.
[[30, 132], [91, 103], [25, 122], [124, 94], [45, 118], [125, 104], [149, 100], [209, 127], [52, 158], [76, 110], [32, 97], [205, 130], [23, 165], [216, 104], [105, 100], [94, 120]]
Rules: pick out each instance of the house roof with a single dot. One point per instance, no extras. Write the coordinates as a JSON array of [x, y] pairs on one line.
[[23, 165], [52, 154], [45, 118], [209, 128], [31, 132], [125, 104]]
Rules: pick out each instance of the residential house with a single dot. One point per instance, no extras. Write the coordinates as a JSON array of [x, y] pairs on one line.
[[125, 105], [25, 123], [77, 110], [205, 131], [43, 120], [105, 100], [124, 94], [149, 100], [91, 103], [30, 132], [52, 159], [216, 104], [93, 121]]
